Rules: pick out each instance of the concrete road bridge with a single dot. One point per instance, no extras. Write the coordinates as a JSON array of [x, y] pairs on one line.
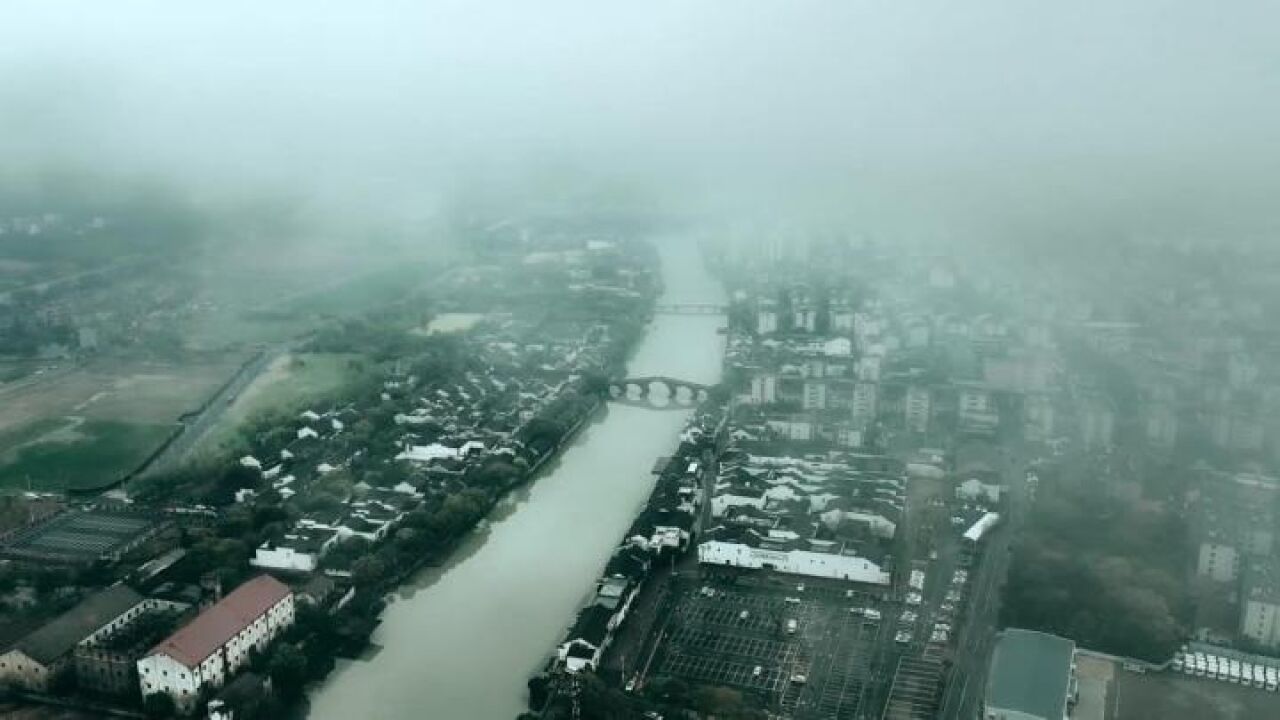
[[658, 393], [690, 309]]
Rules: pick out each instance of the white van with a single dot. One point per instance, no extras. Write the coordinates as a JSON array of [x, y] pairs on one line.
[[791, 627]]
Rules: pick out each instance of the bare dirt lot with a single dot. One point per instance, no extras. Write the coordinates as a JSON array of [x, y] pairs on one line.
[[1172, 696]]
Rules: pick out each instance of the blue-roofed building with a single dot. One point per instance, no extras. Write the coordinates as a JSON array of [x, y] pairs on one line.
[[1032, 676]]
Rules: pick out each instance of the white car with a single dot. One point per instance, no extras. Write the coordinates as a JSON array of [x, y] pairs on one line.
[[902, 638], [871, 614], [914, 598]]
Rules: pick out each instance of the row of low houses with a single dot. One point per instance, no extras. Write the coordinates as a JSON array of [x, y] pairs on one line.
[[370, 517], [827, 518], [665, 526], [441, 434], [119, 643]]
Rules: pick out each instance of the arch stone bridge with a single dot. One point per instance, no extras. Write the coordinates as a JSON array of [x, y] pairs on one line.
[[680, 394]]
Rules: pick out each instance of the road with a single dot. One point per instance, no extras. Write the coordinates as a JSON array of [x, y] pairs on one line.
[[195, 427], [962, 698], [49, 283]]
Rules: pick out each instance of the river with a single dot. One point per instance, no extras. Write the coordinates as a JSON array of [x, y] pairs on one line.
[[460, 641]]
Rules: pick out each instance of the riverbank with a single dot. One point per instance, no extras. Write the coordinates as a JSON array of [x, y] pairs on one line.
[[660, 537], [460, 639]]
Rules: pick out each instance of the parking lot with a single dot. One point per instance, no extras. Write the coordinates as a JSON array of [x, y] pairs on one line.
[[797, 648]]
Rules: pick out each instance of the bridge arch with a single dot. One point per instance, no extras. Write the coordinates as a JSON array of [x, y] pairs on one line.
[[645, 390]]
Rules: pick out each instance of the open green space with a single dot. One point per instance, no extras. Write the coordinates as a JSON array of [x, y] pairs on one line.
[[20, 436], [97, 453], [290, 385], [250, 318], [360, 294]]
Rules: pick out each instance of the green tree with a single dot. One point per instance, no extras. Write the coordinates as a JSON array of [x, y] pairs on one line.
[[369, 570], [288, 670], [159, 705]]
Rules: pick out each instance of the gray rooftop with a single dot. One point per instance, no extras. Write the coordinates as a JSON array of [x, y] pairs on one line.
[[60, 636], [1262, 580], [1030, 673]]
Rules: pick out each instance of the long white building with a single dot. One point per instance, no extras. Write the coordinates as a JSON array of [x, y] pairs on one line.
[[207, 651], [796, 562]]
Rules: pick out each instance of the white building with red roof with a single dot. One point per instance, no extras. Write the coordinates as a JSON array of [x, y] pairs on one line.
[[207, 651]]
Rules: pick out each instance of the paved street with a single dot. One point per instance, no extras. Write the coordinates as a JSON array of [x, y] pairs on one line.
[[963, 694], [197, 426]]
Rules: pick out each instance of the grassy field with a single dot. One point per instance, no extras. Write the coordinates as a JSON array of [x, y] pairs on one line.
[[147, 393], [362, 293], [80, 455], [289, 385], [80, 427], [297, 305]]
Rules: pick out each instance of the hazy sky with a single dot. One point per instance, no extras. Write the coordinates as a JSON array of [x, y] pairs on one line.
[[977, 114]]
